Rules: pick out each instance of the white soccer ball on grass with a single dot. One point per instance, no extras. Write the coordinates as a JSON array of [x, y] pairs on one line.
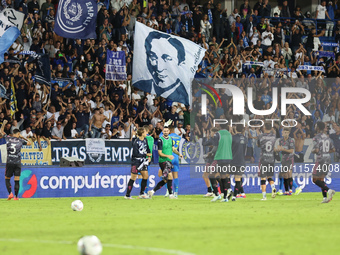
[[77, 205], [90, 245]]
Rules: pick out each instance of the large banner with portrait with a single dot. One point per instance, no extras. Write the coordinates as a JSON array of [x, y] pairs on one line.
[[164, 64]]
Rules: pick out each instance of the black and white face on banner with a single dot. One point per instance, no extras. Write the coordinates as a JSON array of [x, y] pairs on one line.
[[164, 64]]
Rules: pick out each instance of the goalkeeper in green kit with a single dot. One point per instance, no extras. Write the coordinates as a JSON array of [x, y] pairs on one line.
[[165, 150]]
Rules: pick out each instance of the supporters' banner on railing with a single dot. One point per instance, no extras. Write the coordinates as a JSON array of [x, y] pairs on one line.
[[31, 155], [76, 19], [43, 72], [10, 25], [311, 68], [116, 151], [164, 64], [38, 182], [96, 146], [327, 54], [115, 66], [330, 44], [253, 63], [13, 99]]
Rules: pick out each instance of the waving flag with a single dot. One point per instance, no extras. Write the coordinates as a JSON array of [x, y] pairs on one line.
[[43, 72], [3, 92], [76, 19], [164, 64], [10, 25], [13, 99]]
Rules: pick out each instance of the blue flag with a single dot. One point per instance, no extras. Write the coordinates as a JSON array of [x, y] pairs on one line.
[[115, 66], [7, 40], [43, 72], [10, 25], [76, 19]]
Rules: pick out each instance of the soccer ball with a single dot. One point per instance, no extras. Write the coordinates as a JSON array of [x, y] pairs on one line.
[[90, 245], [77, 205]]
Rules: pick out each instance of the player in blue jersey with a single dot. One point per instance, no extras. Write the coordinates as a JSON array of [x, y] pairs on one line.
[[176, 139]]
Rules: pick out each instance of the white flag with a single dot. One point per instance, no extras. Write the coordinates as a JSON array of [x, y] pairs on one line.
[[10, 18], [164, 64]]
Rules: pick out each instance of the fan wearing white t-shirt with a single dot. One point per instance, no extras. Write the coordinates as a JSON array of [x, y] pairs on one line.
[[267, 38], [180, 130], [74, 133], [27, 133], [321, 11], [322, 14], [269, 63]]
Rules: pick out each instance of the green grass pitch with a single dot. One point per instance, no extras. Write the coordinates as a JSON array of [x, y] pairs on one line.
[[190, 225]]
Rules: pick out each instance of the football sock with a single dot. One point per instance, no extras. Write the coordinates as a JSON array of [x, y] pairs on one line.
[[220, 190], [224, 188], [294, 183], [237, 188], [170, 186], [209, 190], [176, 182], [286, 182], [159, 185], [264, 194], [8, 186], [147, 185], [324, 193], [228, 184], [273, 186], [214, 185], [281, 183], [143, 186], [130, 186], [241, 187], [16, 188], [323, 187]]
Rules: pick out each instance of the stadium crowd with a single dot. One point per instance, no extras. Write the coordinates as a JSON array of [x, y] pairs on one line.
[[277, 39]]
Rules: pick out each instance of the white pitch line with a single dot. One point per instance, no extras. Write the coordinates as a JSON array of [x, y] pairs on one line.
[[131, 247], [148, 249]]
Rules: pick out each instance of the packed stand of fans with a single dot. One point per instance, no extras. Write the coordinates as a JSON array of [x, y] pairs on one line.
[[89, 106]]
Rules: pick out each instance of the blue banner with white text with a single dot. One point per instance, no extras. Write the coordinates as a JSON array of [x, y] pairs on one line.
[[115, 66], [39, 182]]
